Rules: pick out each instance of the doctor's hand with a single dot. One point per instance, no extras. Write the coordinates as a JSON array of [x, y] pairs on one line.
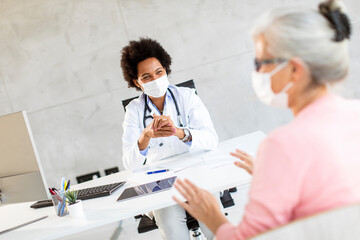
[[154, 131], [163, 121], [150, 132], [247, 162], [201, 204]]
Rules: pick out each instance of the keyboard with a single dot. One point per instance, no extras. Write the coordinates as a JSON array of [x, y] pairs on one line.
[[86, 193], [99, 191]]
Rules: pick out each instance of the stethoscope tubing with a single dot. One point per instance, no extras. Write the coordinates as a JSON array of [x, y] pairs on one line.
[[147, 108]]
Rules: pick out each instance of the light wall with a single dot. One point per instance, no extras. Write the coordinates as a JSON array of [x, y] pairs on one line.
[[59, 61]]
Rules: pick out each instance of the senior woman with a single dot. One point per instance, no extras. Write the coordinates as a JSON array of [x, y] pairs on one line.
[[164, 121], [311, 164]]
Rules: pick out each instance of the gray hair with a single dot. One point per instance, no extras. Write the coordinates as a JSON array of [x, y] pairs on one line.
[[308, 35]]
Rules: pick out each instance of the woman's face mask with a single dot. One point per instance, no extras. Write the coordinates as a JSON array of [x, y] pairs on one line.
[[262, 86], [156, 88]]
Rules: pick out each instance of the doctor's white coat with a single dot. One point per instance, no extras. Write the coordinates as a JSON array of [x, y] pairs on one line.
[[195, 117]]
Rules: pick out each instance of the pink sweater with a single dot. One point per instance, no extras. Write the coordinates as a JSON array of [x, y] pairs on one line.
[[305, 167]]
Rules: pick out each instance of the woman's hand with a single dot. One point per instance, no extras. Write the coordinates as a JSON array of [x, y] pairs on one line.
[[201, 204], [247, 162]]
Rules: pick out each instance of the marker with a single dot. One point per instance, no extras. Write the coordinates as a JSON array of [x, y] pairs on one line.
[[56, 191], [52, 192], [65, 184], [158, 171], [68, 185]]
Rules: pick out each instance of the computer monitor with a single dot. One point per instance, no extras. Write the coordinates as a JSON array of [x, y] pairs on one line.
[[22, 178]]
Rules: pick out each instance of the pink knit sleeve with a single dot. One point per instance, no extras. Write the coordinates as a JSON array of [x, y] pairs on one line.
[[273, 194]]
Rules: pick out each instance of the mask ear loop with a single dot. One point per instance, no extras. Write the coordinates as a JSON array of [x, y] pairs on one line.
[[278, 68], [289, 84], [287, 87]]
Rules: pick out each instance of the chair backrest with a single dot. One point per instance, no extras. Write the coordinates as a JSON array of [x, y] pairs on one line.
[[88, 177], [190, 84], [341, 223]]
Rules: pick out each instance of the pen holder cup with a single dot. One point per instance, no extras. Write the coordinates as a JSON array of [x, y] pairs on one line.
[[59, 202]]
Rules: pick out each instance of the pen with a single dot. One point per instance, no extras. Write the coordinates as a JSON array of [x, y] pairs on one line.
[[158, 171], [62, 183]]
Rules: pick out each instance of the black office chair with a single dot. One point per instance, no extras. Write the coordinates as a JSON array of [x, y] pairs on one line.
[[90, 176], [87, 177], [111, 170]]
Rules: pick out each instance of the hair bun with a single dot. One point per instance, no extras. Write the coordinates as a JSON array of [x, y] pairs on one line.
[[332, 10]]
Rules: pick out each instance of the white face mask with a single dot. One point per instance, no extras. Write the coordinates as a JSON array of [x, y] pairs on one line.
[[156, 88], [262, 86]]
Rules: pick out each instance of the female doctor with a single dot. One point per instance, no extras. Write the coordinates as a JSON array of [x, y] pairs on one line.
[[164, 121]]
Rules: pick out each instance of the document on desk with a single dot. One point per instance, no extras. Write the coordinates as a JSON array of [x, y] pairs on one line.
[[248, 143], [220, 157], [183, 164], [219, 160], [174, 167]]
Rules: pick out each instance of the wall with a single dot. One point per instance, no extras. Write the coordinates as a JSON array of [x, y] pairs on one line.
[[59, 61]]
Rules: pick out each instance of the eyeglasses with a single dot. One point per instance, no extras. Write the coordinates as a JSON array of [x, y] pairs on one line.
[[259, 63]]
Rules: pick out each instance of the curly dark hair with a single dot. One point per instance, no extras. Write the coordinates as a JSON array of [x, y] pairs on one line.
[[138, 51]]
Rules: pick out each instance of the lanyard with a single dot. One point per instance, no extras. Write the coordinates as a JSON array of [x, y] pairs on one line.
[[147, 108]]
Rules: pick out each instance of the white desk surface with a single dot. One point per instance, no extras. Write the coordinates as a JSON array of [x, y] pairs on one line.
[[214, 171]]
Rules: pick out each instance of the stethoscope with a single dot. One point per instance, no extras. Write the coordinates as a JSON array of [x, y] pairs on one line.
[[147, 108]]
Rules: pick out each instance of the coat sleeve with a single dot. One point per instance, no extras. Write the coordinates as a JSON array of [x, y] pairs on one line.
[[274, 193], [132, 158], [201, 127]]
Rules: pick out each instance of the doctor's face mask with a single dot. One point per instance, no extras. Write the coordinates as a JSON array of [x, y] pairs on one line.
[[152, 78], [156, 88]]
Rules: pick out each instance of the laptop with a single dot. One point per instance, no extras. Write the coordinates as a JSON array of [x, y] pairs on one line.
[[147, 188]]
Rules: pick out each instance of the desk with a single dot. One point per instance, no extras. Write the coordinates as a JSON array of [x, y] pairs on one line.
[[214, 171]]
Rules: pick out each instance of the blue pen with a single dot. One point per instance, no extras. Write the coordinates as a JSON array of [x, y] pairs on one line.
[[158, 171], [62, 197], [62, 184]]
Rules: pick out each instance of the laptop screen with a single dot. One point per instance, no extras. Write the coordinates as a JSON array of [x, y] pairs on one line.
[[147, 188]]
